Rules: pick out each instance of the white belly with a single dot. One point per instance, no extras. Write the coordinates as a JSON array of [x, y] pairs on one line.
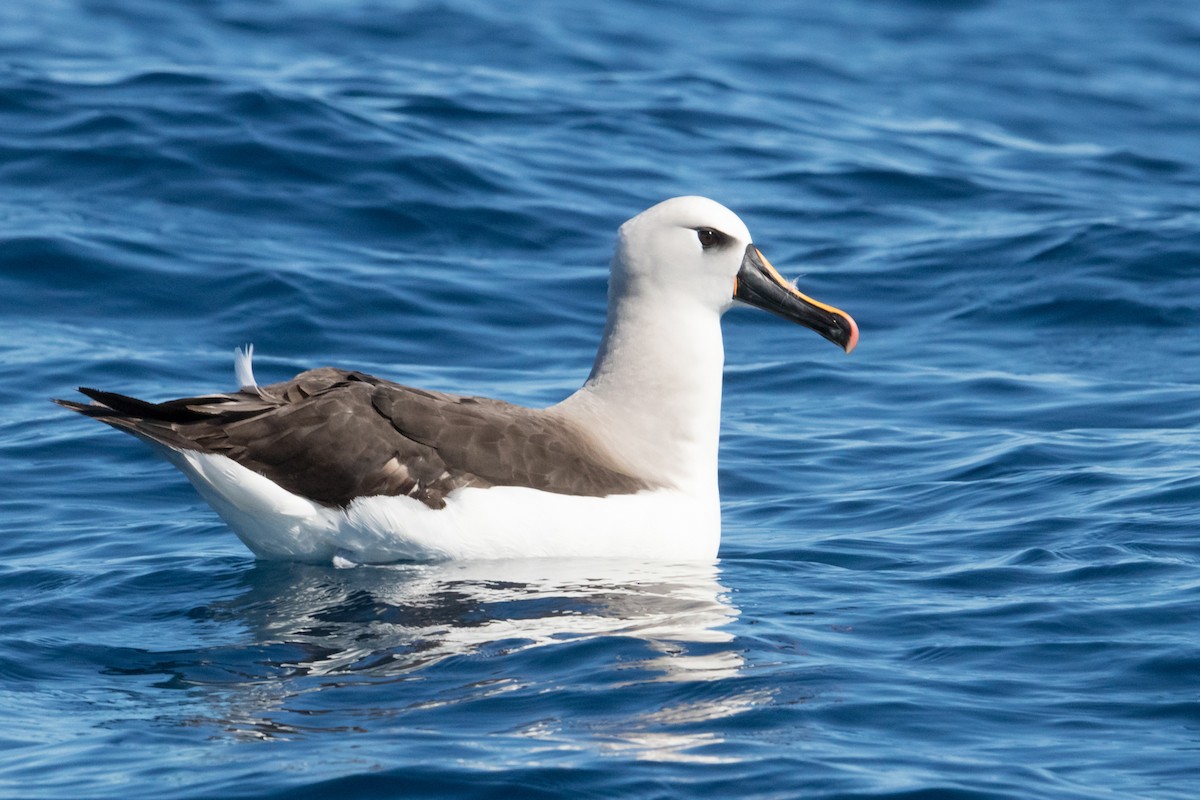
[[500, 522]]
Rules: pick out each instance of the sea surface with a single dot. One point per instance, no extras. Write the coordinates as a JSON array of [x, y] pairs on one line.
[[962, 563]]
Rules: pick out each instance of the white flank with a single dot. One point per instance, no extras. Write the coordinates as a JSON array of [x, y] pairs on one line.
[[500, 522]]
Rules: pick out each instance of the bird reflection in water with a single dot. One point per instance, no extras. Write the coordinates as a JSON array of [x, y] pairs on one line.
[[450, 636]]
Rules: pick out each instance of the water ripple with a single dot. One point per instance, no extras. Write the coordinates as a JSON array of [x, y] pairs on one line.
[[961, 563]]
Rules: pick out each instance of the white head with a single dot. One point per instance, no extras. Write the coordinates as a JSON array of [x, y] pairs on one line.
[[684, 247], [693, 248]]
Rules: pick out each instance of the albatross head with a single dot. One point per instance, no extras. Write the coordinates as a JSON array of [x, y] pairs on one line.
[[696, 247]]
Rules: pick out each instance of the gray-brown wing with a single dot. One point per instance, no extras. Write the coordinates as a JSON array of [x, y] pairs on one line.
[[332, 446], [331, 436], [317, 435], [501, 444]]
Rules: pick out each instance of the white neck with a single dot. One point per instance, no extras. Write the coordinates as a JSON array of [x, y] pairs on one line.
[[654, 395]]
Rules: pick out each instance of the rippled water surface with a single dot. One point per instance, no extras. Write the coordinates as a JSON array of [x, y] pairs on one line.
[[962, 563]]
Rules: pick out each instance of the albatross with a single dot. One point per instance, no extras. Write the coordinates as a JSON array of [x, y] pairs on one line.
[[338, 466]]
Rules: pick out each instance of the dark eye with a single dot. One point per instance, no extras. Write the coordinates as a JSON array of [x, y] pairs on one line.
[[709, 238]]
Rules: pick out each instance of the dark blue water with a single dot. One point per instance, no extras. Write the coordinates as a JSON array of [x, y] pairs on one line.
[[962, 563]]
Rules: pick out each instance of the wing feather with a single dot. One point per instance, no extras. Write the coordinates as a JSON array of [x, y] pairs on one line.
[[332, 435]]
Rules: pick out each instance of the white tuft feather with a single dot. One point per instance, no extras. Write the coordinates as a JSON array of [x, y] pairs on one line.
[[243, 367]]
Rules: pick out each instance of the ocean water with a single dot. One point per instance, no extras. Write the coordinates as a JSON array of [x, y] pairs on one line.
[[963, 562]]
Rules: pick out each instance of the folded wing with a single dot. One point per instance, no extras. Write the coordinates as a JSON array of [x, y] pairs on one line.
[[333, 435]]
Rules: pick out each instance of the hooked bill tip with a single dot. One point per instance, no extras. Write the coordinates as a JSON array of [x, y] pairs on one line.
[[852, 340]]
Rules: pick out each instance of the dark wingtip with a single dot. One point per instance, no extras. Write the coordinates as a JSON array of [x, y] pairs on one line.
[[123, 404], [95, 394], [87, 409]]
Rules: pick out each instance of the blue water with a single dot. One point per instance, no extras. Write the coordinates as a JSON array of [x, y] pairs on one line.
[[963, 562]]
